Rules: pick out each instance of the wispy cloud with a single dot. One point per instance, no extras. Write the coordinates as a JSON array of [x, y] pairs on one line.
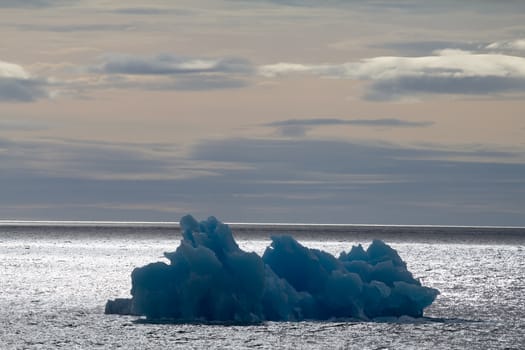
[[263, 179], [299, 127], [342, 156], [65, 158], [22, 125], [428, 47], [407, 6], [367, 180], [150, 11], [507, 45], [446, 72], [75, 27], [420, 48], [383, 122]]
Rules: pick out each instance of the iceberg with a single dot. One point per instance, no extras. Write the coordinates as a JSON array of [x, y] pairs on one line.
[[210, 279]]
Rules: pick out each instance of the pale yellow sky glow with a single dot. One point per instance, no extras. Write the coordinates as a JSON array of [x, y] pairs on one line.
[[188, 103]]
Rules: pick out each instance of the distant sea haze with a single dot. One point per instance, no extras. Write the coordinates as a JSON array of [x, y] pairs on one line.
[[237, 223], [352, 232]]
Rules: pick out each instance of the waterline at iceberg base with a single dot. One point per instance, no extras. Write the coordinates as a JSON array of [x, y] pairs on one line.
[[210, 279]]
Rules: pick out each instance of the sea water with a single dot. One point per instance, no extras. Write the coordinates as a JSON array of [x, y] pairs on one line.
[[56, 279]]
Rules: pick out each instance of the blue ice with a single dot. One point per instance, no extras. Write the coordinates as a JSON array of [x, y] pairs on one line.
[[209, 278]]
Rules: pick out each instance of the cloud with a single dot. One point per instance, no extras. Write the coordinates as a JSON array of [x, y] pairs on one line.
[[160, 72], [172, 72], [263, 180], [421, 48], [17, 85], [299, 127], [342, 157], [66, 158], [139, 11], [406, 86], [207, 83], [428, 47], [384, 122], [507, 45], [367, 182], [168, 64], [32, 3], [22, 125], [150, 11], [67, 28], [166, 83], [408, 6], [447, 72], [11, 70]]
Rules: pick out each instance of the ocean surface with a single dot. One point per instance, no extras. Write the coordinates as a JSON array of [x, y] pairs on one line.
[[55, 279]]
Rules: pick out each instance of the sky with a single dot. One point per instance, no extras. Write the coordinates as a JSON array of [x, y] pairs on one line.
[[334, 111]]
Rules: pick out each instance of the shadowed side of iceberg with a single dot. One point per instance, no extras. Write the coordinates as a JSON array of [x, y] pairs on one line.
[[361, 284], [210, 279]]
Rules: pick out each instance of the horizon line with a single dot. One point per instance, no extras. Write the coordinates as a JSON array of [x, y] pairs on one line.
[[5, 222]]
